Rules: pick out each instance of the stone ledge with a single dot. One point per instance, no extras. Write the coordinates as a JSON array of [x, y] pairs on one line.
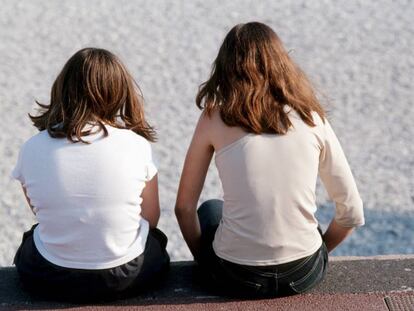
[[367, 278]]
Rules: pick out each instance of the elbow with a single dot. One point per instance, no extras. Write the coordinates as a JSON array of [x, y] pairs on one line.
[[182, 210], [350, 221], [179, 211], [350, 215]]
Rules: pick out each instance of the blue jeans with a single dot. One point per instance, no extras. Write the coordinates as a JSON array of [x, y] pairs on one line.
[[275, 280]]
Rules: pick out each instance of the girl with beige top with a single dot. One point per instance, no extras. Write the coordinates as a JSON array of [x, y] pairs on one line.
[[271, 139]]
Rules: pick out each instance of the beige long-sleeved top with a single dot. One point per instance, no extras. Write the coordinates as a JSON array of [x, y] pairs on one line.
[[269, 186]]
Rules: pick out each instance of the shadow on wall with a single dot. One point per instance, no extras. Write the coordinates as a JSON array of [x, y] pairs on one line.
[[383, 233]]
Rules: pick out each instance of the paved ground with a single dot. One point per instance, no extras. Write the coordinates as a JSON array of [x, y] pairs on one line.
[[343, 302], [356, 284], [358, 53]]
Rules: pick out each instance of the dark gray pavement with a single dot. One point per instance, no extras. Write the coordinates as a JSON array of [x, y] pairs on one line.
[[374, 283]]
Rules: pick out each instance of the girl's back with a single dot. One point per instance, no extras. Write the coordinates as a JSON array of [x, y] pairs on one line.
[[89, 178], [269, 185], [86, 196]]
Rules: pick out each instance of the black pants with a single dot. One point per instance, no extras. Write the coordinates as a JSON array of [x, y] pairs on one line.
[[276, 280], [45, 279]]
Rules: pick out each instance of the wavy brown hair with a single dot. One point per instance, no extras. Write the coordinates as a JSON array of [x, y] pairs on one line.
[[94, 87], [252, 79]]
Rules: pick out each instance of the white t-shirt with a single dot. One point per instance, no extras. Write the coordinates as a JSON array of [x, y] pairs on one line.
[[87, 197]]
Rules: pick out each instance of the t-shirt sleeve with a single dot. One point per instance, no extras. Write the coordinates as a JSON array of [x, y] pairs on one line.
[[17, 173], [339, 182], [150, 166]]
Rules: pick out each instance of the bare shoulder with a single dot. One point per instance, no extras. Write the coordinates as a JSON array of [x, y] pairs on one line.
[[210, 125], [211, 120], [219, 133]]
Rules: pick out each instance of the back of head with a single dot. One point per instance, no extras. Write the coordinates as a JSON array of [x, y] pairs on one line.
[[94, 87], [253, 78]]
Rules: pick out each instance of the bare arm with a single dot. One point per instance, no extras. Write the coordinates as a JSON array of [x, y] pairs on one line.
[[193, 175], [150, 206], [335, 234]]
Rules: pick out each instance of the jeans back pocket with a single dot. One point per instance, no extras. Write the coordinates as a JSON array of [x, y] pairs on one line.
[[313, 276]]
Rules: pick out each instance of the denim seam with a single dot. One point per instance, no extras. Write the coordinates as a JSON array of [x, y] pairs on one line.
[[299, 266], [304, 278]]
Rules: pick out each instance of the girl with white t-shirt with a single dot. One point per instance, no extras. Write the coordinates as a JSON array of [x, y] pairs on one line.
[[271, 139], [90, 179]]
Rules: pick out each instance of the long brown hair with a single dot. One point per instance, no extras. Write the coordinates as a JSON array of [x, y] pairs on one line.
[[94, 87], [252, 79]]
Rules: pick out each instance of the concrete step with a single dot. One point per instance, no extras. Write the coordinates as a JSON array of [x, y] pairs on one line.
[[352, 283]]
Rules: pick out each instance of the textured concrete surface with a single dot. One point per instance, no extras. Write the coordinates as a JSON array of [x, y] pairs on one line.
[[358, 53], [349, 283], [343, 302]]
